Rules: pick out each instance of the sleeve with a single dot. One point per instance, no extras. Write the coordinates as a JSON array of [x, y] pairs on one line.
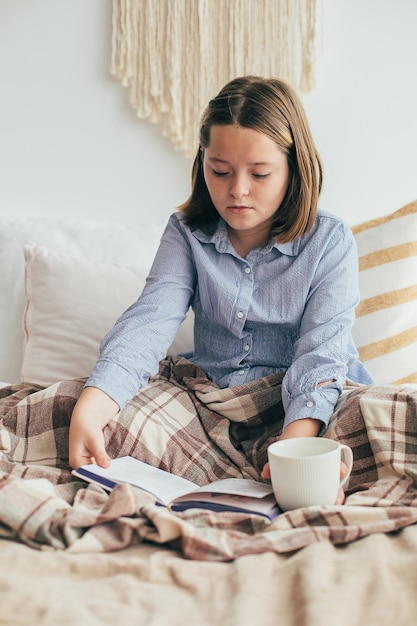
[[131, 350], [324, 347]]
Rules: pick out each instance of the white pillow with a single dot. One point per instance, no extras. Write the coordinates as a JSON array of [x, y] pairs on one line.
[[385, 330], [71, 302]]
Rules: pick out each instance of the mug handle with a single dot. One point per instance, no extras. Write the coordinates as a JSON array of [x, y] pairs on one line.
[[347, 457]]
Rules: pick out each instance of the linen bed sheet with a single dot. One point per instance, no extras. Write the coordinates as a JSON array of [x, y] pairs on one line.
[[370, 582]]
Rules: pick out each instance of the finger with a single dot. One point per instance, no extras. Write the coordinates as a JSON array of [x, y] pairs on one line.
[[102, 459], [340, 496], [83, 455], [343, 469], [266, 472], [97, 453], [76, 458]]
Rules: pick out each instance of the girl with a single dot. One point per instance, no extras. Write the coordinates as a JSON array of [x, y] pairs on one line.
[[272, 280]]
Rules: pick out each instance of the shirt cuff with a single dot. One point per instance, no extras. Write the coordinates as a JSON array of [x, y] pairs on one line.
[[115, 381], [315, 405]]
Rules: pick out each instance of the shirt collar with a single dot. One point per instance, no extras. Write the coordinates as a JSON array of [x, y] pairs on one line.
[[221, 241]]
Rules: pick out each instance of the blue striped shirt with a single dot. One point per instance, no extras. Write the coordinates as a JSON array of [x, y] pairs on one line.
[[286, 307]]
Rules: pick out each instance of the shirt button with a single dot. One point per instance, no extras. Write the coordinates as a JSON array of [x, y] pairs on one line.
[[310, 404], [241, 372], [246, 347], [247, 270], [240, 315]]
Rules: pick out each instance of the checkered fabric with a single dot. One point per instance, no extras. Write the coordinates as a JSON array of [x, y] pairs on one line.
[[183, 423]]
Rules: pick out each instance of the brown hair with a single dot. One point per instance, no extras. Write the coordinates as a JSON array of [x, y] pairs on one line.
[[271, 107]]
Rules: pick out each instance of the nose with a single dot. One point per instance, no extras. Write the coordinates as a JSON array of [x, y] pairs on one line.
[[239, 187]]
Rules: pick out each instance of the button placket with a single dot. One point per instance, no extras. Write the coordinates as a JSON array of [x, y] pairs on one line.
[[244, 297]]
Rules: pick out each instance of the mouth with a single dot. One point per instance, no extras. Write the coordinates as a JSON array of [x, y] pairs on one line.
[[238, 208]]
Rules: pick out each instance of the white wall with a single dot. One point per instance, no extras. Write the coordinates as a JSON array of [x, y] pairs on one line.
[[71, 144], [364, 109]]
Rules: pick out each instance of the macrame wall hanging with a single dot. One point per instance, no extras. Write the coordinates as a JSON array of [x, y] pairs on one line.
[[174, 55]]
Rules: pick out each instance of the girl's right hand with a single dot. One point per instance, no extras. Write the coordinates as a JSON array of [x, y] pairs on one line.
[[92, 412]]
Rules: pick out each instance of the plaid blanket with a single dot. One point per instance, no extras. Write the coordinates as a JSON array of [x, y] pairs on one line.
[[183, 423]]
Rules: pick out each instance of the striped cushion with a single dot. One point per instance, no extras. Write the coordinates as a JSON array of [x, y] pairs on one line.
[[385, 330]]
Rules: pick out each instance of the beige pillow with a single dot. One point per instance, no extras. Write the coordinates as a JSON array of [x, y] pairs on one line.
[[385, 330], [71, 302]]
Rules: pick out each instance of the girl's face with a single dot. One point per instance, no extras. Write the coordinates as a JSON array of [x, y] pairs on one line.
[[247, 177]]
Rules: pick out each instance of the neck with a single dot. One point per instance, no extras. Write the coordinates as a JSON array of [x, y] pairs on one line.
[[244, 242]]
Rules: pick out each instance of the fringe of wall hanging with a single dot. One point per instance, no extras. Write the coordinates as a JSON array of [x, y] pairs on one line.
[[174, 55]]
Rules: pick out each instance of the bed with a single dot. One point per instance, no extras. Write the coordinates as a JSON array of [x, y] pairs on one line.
[[74, 554]]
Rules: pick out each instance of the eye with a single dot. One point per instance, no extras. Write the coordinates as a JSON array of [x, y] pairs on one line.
[[220, 174], [261, 176]]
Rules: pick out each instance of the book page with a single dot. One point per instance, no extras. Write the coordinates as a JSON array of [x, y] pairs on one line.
[[237, 486], [163, 485]]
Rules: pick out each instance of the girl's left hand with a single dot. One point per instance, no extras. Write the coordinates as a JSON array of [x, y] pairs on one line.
[[341, 493]]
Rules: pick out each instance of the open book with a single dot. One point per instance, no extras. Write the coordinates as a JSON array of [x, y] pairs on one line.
[[179, 494]]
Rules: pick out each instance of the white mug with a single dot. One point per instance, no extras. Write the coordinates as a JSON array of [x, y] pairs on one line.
[[305, 471]]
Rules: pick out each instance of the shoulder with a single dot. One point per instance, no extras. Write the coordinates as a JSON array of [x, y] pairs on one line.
[[176, 224], [331, 221], [177, 229], [327, 233], [327, 230], [215, 233], [175, 220], [329, 227]]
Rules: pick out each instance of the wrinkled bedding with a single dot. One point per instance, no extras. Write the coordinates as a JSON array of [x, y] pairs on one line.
[[124, 558], [372, 581]]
